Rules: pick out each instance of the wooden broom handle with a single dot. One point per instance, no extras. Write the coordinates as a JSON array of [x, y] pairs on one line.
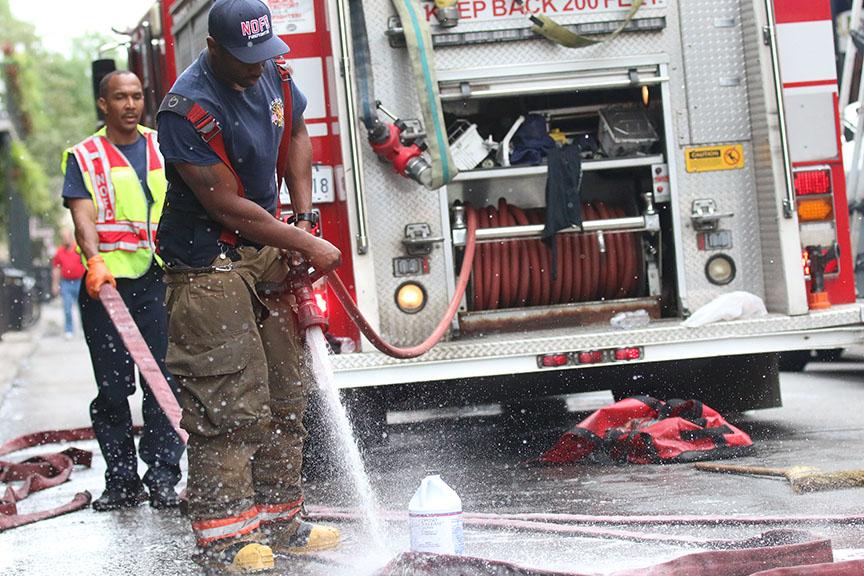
[[738, 469]]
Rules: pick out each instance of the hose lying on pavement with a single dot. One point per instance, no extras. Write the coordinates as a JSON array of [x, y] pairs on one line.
[[772, 553], [805, 559], [41, 472], [569, 524]]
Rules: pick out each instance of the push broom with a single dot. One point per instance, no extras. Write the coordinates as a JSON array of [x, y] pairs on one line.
[[801, 478]]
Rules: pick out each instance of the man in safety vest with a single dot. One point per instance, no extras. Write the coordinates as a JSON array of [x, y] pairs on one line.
[[115, 188], [224, 130]]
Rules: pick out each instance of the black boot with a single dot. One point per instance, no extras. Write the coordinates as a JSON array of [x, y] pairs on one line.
[[162, 496], [115, 498]]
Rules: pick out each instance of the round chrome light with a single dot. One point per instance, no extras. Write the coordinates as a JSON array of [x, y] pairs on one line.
[[410, 297], [720, 269]]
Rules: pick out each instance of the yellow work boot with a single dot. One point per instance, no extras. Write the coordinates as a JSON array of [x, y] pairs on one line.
[[242, 557], [303, 537]]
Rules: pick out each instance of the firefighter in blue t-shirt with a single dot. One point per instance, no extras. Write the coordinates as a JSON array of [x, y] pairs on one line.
[[233, 347]]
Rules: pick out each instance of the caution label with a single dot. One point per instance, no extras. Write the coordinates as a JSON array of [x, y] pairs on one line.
[[713, 158]]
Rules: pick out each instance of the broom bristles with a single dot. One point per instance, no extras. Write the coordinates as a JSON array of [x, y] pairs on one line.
[[805, 479]]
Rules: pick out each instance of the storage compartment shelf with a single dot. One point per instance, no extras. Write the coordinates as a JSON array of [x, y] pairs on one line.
[[587, 166]]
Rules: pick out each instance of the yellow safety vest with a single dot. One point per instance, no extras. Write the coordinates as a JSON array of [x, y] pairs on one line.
[[124, 221]]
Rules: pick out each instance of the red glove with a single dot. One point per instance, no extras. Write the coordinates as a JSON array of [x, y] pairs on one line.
[[97, 275]]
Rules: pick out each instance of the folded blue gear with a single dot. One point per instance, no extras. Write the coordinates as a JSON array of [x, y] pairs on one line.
[[531, 142]]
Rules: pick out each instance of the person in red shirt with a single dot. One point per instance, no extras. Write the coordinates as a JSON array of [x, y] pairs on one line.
[[66, 273]]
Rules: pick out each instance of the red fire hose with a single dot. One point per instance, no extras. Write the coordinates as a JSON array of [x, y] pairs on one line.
[[518, 273], [49, 470], [354, 313], [778, 552], [140, 353]]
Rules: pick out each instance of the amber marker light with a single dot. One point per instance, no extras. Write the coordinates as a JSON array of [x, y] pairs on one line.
[[410, 297], [814, 209], [720, 270]]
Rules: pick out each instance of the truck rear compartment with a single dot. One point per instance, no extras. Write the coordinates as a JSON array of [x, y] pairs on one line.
[[654, 235]]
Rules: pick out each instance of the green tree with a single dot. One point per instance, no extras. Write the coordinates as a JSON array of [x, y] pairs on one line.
[[54, 97]]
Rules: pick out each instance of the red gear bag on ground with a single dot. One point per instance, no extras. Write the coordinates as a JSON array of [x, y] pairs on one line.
[[644, 430]]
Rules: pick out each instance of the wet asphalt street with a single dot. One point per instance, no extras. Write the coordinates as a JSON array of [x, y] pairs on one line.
[[478, 451]]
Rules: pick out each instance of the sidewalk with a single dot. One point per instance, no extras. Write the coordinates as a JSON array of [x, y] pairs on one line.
[[39, 364]]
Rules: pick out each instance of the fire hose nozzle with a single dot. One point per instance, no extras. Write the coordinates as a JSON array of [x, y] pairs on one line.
[[300, 282]]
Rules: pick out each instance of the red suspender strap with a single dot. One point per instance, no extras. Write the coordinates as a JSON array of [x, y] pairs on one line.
[[288, 114], [211, 132]]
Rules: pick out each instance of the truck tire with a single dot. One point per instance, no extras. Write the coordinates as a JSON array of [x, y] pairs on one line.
[[367, 412]]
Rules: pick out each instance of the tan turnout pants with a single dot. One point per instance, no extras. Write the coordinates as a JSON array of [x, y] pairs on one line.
[[237, 355]]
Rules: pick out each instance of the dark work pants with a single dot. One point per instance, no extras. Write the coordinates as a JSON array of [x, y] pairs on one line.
[[160, 447]]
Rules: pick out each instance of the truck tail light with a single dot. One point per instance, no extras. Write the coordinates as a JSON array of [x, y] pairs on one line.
[[592, 357], [586, 357], [815, 209], [632, 353], [553, 360], [809, 182]]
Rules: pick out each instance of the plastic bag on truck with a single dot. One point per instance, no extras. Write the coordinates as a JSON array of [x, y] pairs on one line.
[[644, 430], [732, 306]]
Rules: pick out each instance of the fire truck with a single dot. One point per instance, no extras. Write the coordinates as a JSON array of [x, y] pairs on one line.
[[704, 160]]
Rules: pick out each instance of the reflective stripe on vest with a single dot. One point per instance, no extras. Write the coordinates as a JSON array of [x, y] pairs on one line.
[[125, 223]]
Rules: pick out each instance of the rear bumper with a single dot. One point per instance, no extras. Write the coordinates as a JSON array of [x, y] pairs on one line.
[[664, 340]]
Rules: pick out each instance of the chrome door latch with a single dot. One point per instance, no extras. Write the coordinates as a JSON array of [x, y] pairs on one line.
[[704, 215]]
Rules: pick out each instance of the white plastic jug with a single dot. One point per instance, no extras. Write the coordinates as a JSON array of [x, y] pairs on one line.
[[435, 518]]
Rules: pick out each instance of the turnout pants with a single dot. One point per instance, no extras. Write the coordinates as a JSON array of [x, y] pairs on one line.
[[160, 447], [236, 352]]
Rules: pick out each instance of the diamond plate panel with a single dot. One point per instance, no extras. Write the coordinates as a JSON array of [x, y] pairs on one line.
[[597, 337], [732, 190], [394, 201], [766, 185], [713, 47]]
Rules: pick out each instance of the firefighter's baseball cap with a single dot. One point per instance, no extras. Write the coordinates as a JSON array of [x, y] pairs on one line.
[[245, 29]]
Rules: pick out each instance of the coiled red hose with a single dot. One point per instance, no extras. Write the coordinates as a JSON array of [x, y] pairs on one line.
[[512, 273], [517, 273], [354, 313]]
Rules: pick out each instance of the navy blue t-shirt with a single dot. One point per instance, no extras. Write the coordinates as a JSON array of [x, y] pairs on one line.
[[136, 155], [252, 123]]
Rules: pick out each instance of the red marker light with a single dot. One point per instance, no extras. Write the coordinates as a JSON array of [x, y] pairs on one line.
[[628, 354], [553, 360], [592, 357], [812, 182]]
